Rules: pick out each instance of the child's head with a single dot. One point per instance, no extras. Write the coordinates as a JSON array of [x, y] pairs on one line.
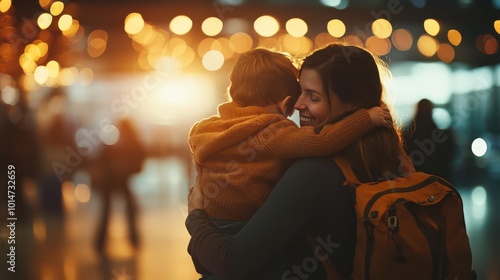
[[262, 77]]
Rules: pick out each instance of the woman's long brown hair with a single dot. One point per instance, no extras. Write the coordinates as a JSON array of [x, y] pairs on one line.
[[353, 74]]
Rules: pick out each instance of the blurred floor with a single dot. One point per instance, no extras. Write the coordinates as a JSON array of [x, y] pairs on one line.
[[57, 250]]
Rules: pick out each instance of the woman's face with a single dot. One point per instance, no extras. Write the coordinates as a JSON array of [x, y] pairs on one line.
[[313, 103]]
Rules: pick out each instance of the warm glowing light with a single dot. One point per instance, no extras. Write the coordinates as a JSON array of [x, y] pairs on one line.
[[57, 8], [43, 48], [53, 67], [336, 28], [431, 26], [296, 27], [205, 45], [353, 40], [5, 5], [82, 193], [143, 60], [97, 43], [212, 26], [153, 55], [174, 93], [146, 35], [133, 23], [68, 76], [85, 76], [27, 64], [496, 25], [181, 25], [159, 41], [110, 134], [295, 45], [224, 46], [179, 49], [266, 26], [479, 147], [27, 82], [45, 3], [446, 53], [168, 65], [65, 22], [73, 30], [402, 39], [454, 37], [41, 74], [44, 21], [187, 57], [32, 51], [39, 229], [68, 195], [427, 45], [10, 95], [378, 46], [382, 28], [174, 101], [268, 42], [240, 42], [323, 39], [213, 60]]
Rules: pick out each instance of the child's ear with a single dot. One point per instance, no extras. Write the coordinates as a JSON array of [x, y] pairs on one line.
[[286, 107]]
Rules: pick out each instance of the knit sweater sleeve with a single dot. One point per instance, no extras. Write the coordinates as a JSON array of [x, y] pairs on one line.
[[304, 193], [288, 141]]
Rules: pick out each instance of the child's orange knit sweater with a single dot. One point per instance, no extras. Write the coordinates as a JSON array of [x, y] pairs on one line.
[[242, 153]]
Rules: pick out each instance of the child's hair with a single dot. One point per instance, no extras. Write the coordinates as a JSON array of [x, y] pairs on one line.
[[262, 77]]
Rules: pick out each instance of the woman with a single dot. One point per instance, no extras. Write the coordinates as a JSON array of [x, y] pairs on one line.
[[310, 201]]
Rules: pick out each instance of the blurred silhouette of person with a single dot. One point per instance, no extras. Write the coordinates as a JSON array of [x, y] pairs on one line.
[[57, 135], [111, 172], [19, 148], [430, 148]]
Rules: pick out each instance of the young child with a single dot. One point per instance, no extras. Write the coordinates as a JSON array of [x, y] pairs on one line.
[[242, 152]]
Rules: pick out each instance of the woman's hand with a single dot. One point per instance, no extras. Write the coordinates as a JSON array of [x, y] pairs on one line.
[[195, 198], [381, 116]]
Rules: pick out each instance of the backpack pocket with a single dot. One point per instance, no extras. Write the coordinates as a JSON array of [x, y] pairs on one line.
[[412, 232]]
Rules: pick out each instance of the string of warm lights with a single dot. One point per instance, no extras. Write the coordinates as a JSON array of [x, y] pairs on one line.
[[268, 32], [41, 61], [46, 54]]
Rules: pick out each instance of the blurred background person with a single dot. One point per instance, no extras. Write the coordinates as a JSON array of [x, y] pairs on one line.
[[430, 148], [111, 172], [57, 162]]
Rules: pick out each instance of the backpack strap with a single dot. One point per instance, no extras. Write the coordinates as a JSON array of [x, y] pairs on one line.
[[332, 272], [345, 167]]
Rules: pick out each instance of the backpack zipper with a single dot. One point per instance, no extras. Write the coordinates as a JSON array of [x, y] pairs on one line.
[[427, 181]]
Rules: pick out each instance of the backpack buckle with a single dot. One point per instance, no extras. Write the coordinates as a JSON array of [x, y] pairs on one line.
[[392, 222]]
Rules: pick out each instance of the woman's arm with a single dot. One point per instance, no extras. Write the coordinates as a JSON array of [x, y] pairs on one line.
[[298, 198]]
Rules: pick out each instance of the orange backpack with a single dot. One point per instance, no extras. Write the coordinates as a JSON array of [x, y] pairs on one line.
[[409, 227]]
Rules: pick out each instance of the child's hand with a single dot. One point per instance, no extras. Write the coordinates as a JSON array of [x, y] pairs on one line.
[[380, 116]]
